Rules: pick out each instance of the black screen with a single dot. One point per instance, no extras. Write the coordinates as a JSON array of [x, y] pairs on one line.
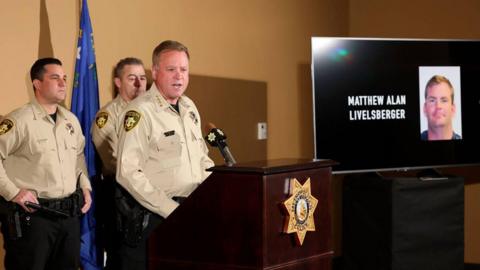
[[369, 102]]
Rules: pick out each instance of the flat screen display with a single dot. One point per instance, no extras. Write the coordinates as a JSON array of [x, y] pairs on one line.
[[388, 104]]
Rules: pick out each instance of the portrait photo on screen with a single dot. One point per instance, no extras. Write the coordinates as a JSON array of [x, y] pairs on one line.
[[440, 103]]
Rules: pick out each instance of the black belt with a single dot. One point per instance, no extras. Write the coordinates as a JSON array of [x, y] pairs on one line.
[[64, 204]]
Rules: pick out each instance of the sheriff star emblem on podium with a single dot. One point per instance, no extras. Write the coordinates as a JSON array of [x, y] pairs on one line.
[[300, 207]]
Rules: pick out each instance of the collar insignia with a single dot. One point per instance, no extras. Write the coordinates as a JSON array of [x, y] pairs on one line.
[[101, 119], [131, 120], [194, 117], [300, 207], [5, 126], [159, 101], [70, 128]]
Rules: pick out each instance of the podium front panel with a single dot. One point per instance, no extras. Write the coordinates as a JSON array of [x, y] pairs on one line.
[[234, 220]]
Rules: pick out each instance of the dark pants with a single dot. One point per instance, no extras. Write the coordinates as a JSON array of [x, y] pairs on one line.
[[106, 220], [126, 257], [46, 243]]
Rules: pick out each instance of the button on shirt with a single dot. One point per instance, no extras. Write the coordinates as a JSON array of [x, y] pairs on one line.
[[163, 153], [40, 155], [105, 134]]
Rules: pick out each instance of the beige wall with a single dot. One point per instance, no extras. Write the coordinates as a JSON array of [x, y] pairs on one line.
[[409, 19], [254, 40]]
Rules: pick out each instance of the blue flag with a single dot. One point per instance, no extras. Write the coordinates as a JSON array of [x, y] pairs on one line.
[[85, 106]]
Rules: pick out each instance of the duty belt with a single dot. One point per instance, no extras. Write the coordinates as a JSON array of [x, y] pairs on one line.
[[64, 204]]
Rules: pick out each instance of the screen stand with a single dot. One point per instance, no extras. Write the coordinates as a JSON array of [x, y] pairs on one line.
[[402, 222], [430, 174]]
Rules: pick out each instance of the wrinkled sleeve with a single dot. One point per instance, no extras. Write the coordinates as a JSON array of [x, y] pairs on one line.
[[9, 142], [81, 166], [133, 153], [105, 141]]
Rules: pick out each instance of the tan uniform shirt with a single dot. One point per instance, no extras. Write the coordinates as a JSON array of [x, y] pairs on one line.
[[105, 134], [40, 155], [161, 153]]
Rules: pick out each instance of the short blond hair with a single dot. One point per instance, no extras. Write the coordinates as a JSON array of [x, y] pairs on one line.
[[438, 79]]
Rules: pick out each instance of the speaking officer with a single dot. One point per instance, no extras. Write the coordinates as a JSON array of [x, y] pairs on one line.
[[130, 80], [41, 147], [161, 152]]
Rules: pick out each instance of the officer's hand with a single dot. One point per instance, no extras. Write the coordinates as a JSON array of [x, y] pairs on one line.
[[88, 200], [23, 196]]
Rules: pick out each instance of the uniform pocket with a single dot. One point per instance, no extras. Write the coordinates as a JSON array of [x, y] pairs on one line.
[[39, 146], [197, 140], [71, 143], [169, 151]]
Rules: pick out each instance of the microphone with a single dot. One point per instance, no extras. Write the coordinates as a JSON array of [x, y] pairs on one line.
[[217, 138]]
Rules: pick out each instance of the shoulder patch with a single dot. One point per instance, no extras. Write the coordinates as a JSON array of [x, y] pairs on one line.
[[5, 126], [101, 119], [131, 120]]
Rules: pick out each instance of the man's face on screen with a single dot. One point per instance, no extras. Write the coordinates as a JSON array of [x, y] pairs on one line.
[[439, 108]]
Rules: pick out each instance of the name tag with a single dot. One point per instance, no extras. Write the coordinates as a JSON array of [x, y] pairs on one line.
[[169, 133]]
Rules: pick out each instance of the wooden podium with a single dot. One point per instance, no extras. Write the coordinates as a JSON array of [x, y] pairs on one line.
[[235, 219]]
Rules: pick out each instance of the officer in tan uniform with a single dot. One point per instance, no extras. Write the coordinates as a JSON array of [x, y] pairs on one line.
[[41, 148], [130, 80], [161, 152]]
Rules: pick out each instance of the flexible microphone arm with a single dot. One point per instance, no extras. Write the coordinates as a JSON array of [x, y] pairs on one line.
[[217, 138]]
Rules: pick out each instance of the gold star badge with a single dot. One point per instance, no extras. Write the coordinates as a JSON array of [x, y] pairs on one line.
[[131, 120], [101, 119], [300, 207]]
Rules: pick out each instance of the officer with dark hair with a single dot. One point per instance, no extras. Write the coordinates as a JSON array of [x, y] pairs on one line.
[[41, 148], [130, 81]]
